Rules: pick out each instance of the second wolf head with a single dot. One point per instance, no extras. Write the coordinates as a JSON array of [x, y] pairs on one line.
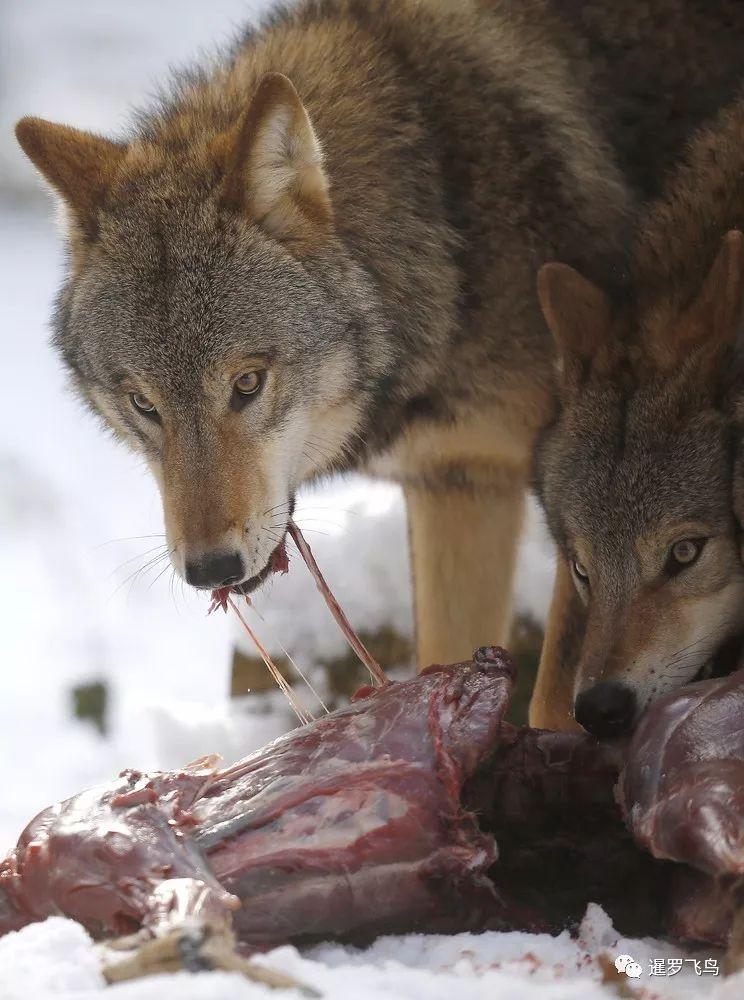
[[635, 475]]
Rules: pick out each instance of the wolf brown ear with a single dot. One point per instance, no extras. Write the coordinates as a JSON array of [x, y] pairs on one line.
[[274, 167], [79, 165], [578, 315], [711, 321], [713, 318]]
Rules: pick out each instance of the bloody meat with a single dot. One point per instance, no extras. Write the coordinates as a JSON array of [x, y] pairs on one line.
[[682, 794], [683, 789], [415, 808], [353, 824]]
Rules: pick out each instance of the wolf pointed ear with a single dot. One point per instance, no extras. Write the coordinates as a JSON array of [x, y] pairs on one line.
[[274, 167], [709, 323], [713, 318], [79, 165], [578, 315]]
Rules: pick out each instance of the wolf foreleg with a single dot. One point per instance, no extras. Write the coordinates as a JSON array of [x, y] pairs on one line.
[[551, 706], [464, 540]]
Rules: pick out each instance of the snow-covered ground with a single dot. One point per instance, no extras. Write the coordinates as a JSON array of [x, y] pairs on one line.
[[57, 960], [79, 517]]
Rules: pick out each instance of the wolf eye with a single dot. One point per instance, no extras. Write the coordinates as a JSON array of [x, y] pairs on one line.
[[580, 570], [143, 404], [684, 553], [249, 383], [244, 387]]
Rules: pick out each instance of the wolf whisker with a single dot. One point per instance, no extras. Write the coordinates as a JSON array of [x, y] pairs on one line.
[[697, 642], [318, 459], [302, 520], [300, 510], [325, 453], [131, 538], [140, 555], [172, 588], [284, 503], [163, 570], [681, 661], [150, 564]]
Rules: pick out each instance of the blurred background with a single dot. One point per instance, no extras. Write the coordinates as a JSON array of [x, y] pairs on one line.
[[107, 661]]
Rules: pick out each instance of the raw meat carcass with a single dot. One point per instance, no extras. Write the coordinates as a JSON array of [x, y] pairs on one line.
[[352, 825], [415, 808], [682, 794], [683, 788]]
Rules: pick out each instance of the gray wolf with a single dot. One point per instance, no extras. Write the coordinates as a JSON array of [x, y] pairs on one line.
[[319, 255], [641, 472]]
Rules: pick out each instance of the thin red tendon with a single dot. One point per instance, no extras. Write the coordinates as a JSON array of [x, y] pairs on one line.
[[376, 672]]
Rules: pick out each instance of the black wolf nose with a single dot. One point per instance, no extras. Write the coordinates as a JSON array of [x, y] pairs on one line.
[[606, 710], [217, 569]]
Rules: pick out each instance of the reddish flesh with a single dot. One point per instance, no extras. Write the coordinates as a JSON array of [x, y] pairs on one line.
[[352, 824], [683, 789], [114, 857], [361, 823], [682, 795]]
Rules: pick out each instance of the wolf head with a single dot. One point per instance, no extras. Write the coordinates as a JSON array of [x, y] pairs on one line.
[[213, 319], [635, 475]]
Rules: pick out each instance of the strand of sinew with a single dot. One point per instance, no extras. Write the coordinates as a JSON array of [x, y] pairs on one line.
[[300, 673], [376, 672], [299, 711]]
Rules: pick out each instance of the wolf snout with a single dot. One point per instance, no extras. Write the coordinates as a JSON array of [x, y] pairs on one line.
[[215, 569], [607, 710]]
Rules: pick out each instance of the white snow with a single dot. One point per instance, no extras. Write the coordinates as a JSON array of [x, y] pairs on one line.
[[78, 515], [57, 960]]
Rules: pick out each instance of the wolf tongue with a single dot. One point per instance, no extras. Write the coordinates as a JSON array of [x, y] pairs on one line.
[[376, 672]]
